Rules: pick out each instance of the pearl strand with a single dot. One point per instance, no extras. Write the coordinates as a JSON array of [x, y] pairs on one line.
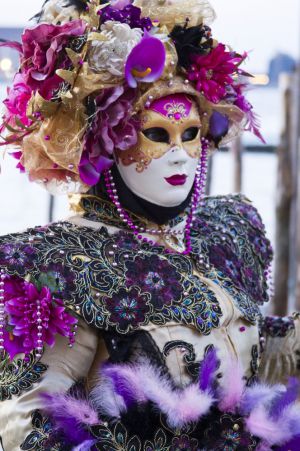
[[199, 189], [2, 312]]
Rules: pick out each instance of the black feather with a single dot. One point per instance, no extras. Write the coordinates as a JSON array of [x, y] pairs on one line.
[[190, 41]]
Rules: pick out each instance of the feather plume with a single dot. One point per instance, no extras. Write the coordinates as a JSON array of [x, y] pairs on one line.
[[208, 369], [272, 432], [11, 45], [285, 398], [253, 125], [85, 446], [143, 382], [69, 414], [234, 386], [259, 395]]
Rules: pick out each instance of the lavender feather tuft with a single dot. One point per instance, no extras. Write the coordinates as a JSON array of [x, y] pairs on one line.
[[285, 399], [70, 415], [208, 369]]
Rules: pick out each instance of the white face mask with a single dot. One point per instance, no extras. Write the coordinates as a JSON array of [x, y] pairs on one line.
[[162, 167]]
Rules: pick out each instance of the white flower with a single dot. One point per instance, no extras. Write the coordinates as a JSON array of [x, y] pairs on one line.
[[55, 11], [111, 55]]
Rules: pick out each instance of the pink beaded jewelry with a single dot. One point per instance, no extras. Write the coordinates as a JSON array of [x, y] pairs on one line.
[[199, 190], [2, 312]]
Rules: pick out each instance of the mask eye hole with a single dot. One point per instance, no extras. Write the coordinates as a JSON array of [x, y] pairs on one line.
[[190, 134], [157, 134]]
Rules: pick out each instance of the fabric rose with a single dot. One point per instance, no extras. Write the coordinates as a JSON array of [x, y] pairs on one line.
[[17, 101], [111, 55], [43, 52], [26, 307], [113, 128], [56, 11]]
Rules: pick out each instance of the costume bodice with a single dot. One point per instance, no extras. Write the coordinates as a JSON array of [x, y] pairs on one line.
[[148, 301]]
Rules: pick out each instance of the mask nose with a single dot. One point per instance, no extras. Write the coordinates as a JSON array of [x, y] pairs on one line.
[[177, 155]]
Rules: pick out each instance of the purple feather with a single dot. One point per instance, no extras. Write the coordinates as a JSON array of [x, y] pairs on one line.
[[286, 398], [257, 395], [293, 445], [120, 378], [254, 125], [12, 45], [70, 415], [208, 369], [85, 446]]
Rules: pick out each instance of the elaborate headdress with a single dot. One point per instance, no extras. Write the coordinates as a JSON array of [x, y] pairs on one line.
[[88, 68]]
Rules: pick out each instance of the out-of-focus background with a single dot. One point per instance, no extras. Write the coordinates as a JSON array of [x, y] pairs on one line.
[[267, 174]]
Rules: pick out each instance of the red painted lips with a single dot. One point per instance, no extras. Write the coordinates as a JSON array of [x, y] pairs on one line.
[[176, 180]]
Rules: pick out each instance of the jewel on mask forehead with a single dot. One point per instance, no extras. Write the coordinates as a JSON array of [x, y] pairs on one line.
[[175, 106]]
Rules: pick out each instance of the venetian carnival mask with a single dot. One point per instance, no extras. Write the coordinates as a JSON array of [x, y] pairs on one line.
[[161, 168]]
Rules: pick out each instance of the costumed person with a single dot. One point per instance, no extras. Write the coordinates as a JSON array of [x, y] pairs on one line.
[[135, 324]]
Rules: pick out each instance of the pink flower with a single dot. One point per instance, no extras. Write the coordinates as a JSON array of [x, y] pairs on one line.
[[113, 128], [17, 101], [43, 53], [213, 72], [34, 317]]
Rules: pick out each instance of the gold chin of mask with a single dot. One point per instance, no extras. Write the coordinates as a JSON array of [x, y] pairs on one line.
[[147, 149]]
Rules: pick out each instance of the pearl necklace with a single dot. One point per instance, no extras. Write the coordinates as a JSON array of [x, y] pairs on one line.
[[199, 190]]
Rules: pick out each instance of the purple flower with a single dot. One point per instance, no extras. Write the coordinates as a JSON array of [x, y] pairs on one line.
[[26, 308], [113, 128], [212, 72], [184, 443], [128, 309], [146, 61], [44, 52], [157, 277], [124, 12], [17, 256]]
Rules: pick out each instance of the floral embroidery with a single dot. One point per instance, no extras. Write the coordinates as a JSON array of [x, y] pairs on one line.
[[58, 278], [228, 433], [17, 255], [276, 326], [156, 276], [99, 268], [42, 438], [127, 309], [184, 443], [19, 376]]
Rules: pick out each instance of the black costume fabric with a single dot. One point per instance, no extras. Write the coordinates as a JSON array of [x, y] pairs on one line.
[[138, 206]]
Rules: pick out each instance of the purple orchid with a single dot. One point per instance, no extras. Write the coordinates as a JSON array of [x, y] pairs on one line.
[[218, 127], [146, 61], [124, 12]]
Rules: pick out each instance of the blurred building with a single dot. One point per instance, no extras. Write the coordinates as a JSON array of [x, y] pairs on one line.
[[282, 62]]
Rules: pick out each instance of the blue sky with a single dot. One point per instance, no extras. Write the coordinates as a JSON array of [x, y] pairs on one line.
[[263, 26]]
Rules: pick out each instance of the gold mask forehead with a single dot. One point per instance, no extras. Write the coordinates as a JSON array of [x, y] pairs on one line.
[[175, 107]]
